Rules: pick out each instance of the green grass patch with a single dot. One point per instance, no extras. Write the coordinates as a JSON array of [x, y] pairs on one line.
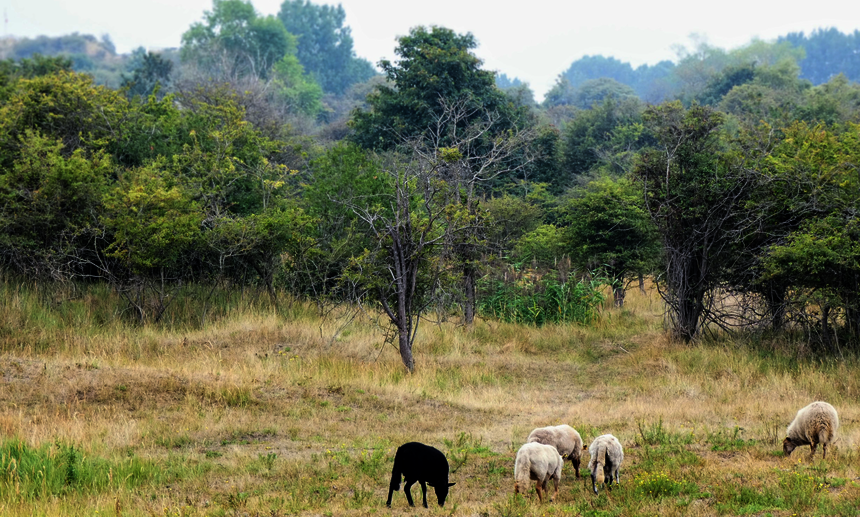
[[59, 469], [655, 433], [462, 446], [724, 440], [657, 485], [798, 491], [174, 441], [667, 457]]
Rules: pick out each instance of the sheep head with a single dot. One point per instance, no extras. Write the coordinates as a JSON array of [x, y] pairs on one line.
[[442, 492], [788, 446]]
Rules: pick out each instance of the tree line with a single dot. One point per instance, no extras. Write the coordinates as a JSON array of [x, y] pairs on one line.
[[821, 55], [436, 193]]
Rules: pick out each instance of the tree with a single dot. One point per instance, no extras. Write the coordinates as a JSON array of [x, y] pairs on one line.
[[836, 101], [324, 45], [435, 64], [152, 71], [343, 175], [255, 55], [774, 94], [596, 91], [66, 107], [11, 71], [827, 53], [426, 226], [561, 94], [49, 206], [648, 81], [695, 190], [235, 42], [155, 225], [544, 165], [507, 219], [408, 224], [503, 82], [591, 132], [543, 247], [468, 159], [608, 229], [808, 198], [589, 68], [721, 83], [298, 91], [441, 99]]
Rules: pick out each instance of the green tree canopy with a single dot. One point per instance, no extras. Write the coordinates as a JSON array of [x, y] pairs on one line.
[[595, 131], [435, 64], [608, 229], [324, 44], [233, 41], [65, 106], [151, 71], [49, 202], [695, 193]]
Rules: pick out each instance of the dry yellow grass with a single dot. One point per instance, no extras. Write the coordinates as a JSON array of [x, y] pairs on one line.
[[279, 420]]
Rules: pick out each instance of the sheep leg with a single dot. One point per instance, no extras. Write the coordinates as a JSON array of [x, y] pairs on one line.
[[408, 489], [812, 447], [424, 492], [575, 463], [390, 493], [537, 489], [824, 447], [617, 481], [555, 482]]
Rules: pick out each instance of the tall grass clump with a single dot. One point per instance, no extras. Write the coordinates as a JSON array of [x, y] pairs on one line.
[[57, 469], [532, 299]]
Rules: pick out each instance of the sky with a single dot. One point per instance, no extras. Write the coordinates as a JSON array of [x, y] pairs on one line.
[[533, 40]]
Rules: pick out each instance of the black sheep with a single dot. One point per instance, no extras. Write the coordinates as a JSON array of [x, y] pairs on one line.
[[424, 464]]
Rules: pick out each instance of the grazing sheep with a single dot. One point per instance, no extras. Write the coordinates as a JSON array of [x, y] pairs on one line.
[[564, 438], [418, 462], [814, 424], [538, 462], [606, 458]]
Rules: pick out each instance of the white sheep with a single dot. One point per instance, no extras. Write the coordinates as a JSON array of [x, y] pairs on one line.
[[538, 462], [606, 458], [814, 424], [564, 438]]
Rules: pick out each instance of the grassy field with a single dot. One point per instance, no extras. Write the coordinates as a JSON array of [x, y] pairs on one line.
[[265, 414]]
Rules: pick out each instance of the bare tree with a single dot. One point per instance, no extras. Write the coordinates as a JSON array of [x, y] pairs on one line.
[[409, 225], [426, 226], [469, 156]]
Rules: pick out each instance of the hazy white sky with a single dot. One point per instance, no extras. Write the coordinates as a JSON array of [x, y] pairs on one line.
[[534, 40]]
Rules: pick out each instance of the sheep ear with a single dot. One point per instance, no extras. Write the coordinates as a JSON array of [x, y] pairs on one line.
[[451, 484]]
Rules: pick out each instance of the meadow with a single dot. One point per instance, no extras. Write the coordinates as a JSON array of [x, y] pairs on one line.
[[287, 412]]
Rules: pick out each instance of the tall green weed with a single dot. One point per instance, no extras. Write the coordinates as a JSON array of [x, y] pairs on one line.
[[533, 299]]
